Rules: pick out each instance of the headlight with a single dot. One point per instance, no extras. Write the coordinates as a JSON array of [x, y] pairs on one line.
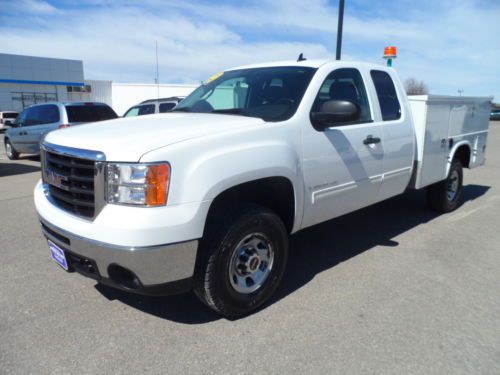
[[138, 184]]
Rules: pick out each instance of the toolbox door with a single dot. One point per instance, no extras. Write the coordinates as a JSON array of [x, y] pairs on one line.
[[435, 155]]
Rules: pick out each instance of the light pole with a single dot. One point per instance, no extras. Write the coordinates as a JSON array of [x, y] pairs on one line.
[[339, 29]]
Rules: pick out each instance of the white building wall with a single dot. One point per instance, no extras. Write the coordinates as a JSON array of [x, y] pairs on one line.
[[125, 95], [100, 91]]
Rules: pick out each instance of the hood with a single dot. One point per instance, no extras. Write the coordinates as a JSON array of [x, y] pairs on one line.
[[127, 139]]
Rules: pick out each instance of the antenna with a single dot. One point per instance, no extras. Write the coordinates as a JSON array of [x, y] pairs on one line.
[[301, 58], [340, 26], [157, 79]]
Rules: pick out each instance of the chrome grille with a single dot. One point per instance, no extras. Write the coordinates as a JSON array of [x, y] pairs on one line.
[[71, 183]]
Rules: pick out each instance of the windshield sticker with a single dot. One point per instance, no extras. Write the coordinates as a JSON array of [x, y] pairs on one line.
[[214, 77]]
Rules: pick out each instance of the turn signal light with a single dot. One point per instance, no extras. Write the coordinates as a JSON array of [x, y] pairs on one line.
[[157, 180]]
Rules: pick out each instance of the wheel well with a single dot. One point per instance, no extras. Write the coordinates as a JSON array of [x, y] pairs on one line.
[[275, 193], [463, 154]]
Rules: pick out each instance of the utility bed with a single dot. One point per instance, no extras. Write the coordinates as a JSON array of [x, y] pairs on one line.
[[443, 123]]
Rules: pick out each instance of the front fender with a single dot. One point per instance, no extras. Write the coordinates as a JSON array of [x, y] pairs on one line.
[[203, 170]]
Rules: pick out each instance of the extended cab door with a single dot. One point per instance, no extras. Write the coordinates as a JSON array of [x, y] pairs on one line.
[[398, 138], [342, 163]]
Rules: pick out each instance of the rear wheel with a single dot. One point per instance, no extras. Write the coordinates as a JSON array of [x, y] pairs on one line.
[[11, 152], [242, 260], [445, 195]]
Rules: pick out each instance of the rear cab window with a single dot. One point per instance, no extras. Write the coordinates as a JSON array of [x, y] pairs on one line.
[[387, 96], [89, 113]]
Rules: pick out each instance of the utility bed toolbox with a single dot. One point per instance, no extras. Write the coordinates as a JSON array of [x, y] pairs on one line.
[[442, 124]]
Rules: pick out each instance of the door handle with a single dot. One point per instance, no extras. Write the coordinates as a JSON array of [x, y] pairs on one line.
[[371, 140]]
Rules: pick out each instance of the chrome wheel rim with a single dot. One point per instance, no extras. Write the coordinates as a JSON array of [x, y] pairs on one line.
[[453, 186], [8, 149], [251, 263]]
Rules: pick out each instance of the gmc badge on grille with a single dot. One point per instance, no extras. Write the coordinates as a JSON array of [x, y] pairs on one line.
[[56, 179]]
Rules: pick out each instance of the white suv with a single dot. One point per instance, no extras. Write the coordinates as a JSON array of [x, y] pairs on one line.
[[151, 106]]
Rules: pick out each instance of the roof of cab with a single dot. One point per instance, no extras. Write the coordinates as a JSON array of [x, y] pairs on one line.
[[306, 63]]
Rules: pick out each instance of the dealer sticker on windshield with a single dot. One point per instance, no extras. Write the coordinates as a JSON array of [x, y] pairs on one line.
[[213, 78], [57, 254]]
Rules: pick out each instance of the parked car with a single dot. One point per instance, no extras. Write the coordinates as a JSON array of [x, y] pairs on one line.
[[37, 120], [151, 106], [6, 118], [208, 202], [495, 115]]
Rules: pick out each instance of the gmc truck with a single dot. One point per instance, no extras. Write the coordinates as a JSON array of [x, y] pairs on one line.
[[204, 198]]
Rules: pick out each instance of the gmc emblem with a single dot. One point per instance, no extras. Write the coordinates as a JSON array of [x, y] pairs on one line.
[[56, 179]]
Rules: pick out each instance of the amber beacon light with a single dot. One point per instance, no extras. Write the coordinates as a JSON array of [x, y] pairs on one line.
[[390, 53]]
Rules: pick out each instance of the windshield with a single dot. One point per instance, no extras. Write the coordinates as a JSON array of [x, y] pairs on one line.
[[272, 94]]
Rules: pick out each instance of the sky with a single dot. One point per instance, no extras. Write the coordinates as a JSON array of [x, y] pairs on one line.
[[449, 44]]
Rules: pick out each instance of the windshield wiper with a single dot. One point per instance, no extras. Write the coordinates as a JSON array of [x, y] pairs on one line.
[[184, 109], [231, 111]]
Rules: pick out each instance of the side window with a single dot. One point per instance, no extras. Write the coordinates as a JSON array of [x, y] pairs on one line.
[[43, 114], [387, 97], [344, 84], [147, 109], [32, 116], [166, 107], [48, 114]]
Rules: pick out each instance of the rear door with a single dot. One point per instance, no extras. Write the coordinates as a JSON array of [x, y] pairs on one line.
[[343, 163], [42, 119]]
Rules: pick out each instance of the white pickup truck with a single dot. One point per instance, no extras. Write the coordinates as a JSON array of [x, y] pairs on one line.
[[204, 198]]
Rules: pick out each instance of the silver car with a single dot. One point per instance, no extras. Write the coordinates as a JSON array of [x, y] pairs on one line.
[[34, 122]]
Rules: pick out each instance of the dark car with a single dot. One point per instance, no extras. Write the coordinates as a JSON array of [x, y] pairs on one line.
[[495, 115]]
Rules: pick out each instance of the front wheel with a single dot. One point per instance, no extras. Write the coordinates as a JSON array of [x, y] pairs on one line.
[[11, 152], [444, 196], [242, 260]]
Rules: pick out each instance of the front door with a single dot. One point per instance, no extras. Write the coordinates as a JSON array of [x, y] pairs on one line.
[[342, 164]]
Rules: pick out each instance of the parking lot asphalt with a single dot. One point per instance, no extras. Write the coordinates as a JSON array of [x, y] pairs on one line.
[[390, 289]]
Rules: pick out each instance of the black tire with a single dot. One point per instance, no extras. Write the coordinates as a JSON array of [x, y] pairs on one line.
[[438, 196], [227, 230], [11, 152]]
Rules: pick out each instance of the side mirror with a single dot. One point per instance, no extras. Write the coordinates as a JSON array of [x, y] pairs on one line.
[[15, 124], [335, 113]]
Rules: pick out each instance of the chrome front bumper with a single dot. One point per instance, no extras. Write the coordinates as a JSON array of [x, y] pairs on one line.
[[153, 265]]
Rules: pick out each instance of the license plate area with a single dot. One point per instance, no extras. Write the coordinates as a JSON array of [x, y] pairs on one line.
[[57, 254]]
